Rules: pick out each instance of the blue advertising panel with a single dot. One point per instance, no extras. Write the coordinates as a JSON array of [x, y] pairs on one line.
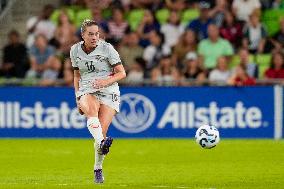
[[40, 112], [177, 111], [238, 112]]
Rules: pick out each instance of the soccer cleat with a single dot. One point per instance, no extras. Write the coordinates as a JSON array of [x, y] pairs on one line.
[[105, 145], [99, 178]]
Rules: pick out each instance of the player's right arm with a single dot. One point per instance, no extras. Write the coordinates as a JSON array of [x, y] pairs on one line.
[[77, 75]]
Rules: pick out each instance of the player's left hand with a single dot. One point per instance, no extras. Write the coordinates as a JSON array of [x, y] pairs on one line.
[[100, 83]]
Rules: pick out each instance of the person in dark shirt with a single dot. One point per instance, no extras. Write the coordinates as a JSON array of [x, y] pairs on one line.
[[15, 59], [231, 30], [200, 25], [148, 24], [193, 72], [278, 39], [276, 69]]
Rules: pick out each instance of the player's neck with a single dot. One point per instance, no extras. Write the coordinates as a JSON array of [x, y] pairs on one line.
[[88, 50]]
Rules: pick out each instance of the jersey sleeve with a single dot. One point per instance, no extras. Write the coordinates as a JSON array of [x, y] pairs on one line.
[[114, 58], [73, 58]]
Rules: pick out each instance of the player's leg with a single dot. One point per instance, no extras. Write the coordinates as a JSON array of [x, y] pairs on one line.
[[106, 114], [90, 106]]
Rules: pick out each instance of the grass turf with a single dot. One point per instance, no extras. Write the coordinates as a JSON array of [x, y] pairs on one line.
[[144, 163]]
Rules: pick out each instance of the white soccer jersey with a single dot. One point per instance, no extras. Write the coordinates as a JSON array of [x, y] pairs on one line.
[[98, 64]]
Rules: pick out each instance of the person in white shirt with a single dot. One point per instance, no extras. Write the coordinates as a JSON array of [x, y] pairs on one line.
[[221, 73], [172, 30], [243, 8], [97, 68], [40, 25], [155, 50], [254, 35]]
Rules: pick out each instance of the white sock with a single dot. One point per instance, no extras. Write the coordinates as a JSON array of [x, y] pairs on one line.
[[95, 128], [98, 158]]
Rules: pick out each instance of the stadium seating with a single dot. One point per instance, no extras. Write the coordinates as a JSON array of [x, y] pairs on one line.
[[188, 15], [162, 15], [107, 13], [134, 18], [235, 60], [263, 61], [55, 15], [271, 19], [82, 15]]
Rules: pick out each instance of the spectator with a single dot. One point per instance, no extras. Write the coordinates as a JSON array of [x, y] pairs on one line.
[[65, 33], [130, 49], [213, 47], [200, 25], [242, 9], [136, 72], [266, 4], [278, 39], [251, 67], [176, 5], [221, 73], [67, 65], [51, 71], [165, 73], [254, 35], [172, 30], [68, 78], [187, 43], [39, 54], [241, 78], [231, 30], [102, 4], [192, 69], [125, 5], [41, 25], [278, 4], [117, 26], [98, 17], [15, 58], [276, 69], [148, 24], [67, 73], [218, 13], [156, 50], [151, 5]]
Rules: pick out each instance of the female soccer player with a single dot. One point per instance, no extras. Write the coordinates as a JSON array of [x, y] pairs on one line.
[[97, 68]]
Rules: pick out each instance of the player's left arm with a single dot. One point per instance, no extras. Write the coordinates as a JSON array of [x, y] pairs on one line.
[[118, 74]]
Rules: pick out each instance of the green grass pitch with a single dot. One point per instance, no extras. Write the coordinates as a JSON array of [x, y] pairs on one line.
[[142, 163]]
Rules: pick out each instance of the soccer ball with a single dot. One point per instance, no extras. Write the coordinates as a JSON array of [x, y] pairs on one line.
[[207, 136]]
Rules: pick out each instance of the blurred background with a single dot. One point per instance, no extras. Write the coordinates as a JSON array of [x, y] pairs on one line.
[[215, 62], [188, 63]]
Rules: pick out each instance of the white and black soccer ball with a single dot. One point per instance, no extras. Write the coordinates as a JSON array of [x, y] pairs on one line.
[[207, 136]]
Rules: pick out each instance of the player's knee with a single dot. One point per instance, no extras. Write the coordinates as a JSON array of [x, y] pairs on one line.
[[93, 112], [90, 112], [89, 106]]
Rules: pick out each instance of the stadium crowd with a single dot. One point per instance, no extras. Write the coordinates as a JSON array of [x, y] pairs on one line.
[[166, 42]]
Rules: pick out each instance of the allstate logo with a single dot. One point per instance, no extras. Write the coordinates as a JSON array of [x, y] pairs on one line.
[[137, 113]]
